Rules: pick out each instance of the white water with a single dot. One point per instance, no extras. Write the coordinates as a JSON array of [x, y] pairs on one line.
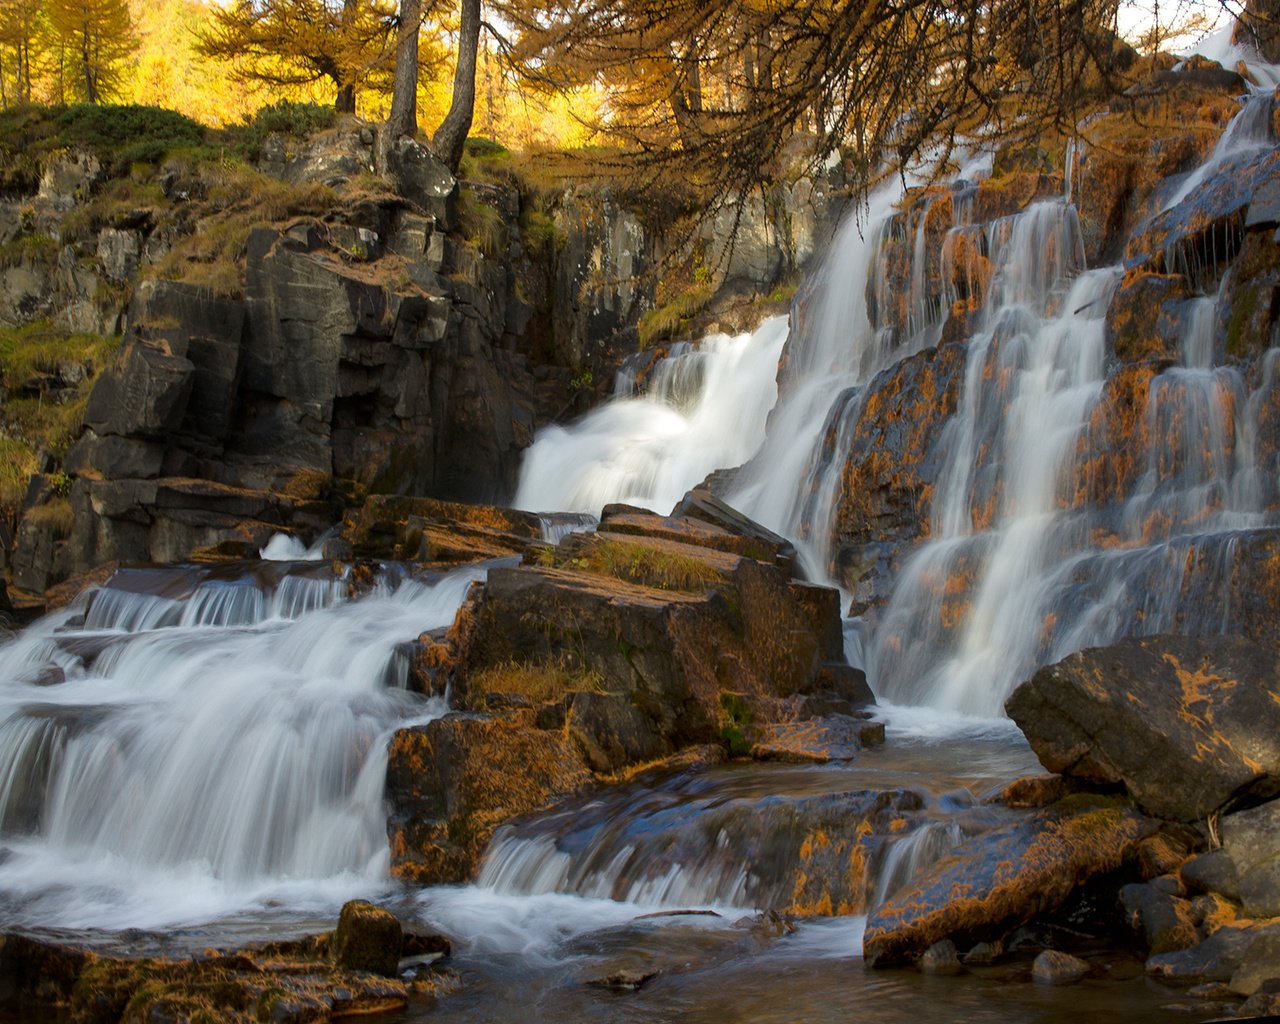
[[195, 764], [702, 412]]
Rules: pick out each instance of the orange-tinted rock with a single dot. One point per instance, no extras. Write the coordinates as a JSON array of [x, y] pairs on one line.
[[1250, 305], [233, 988], [428, 530], [1143, 321], [453, 781], [1003, 878], [1112, 451], [1186, 725], [367, 938], [890, 468], [1037, 791]]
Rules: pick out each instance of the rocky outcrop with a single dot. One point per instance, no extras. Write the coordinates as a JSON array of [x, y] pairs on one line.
[[1004, 878], [1187, 726], [654, 635]]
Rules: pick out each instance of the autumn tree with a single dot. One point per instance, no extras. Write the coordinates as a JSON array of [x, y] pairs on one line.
[[723, 88], [93, 37], [298, 42], [21, 28]]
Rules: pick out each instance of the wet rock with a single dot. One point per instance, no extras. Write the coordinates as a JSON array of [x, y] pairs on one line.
[[623, 980], [1163, 922], [941, 958], [1186, 725], [1144, 319], [1214, 872], [701, 506], [1217, 958], [1036, 791], [430, 530], [32, 971], [890, 468], [1054, 967], [453, 781], [611, 731], [368, 938], [1200, 235], [1252, 840], [984, 953], [1261, 964], [1000, 879], [815, 740], [1260, 1004]]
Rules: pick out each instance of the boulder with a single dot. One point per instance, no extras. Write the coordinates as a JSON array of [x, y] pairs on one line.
[[1261, 964], [941, 958], [367, 938], [1001, 879], [423, 180], [1187, 725], [1054, 967], [1163, 922], [1251, 839], [1217, 958], [611, 731]]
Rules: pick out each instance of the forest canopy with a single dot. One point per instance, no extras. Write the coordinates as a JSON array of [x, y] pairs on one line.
[[723, 91]]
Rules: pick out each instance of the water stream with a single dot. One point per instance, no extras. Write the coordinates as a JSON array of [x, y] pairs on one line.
[[203, 751]]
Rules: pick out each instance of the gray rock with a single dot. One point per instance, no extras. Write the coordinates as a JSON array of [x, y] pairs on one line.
[[69, 177], [941, 958], [114, 457], [1054, 967], [1217, 958], [424, 180], [611, 731], [1214, 871], [984, 953], [1187, 725], [1252, 840], [119, 252], [1261, 963], [145, 397], [1163, 921]]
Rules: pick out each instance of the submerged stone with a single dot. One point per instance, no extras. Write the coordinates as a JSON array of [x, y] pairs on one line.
[[1054, 967]]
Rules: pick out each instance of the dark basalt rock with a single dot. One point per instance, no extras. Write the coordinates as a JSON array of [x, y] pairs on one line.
[[1003, 878], [1186, 725]]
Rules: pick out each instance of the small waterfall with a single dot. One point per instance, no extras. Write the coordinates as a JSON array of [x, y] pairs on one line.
[[210, 737], [704, 409]]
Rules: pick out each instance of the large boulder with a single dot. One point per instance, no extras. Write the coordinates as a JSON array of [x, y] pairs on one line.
[[368, 938], [1003, 878], [1187, 725], [144, 396], [1251, 839]]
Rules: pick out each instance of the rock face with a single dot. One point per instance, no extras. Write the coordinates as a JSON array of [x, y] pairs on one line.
[[1003, 878], [1187, 725], [612, 649]]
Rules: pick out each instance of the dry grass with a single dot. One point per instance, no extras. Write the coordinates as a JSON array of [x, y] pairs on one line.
[[648, 566], [56, 514], [538, 681]]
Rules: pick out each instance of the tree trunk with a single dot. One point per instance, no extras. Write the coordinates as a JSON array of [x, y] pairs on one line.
[[403, 119], [452, 133], [90, 87], [346, 101]]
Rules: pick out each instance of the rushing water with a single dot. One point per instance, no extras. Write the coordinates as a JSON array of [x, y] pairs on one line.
[[180, 745]]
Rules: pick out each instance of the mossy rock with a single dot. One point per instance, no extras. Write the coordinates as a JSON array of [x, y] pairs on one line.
[[368, 938]]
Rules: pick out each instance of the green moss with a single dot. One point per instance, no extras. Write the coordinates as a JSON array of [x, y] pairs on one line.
[[42, 250], [299, 120]]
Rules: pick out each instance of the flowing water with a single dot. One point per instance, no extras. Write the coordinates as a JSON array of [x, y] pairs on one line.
[[203, 751]]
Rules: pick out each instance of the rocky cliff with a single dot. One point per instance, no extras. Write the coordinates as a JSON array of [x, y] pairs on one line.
[[301, 333]]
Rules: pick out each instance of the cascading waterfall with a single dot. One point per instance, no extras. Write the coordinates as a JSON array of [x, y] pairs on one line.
[[192, 743]]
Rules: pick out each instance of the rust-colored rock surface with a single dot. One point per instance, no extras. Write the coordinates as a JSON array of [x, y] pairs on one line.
[[1187, 725], [1003, 878]]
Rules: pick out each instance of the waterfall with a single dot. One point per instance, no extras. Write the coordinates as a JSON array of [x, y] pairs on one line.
[[1019, 567], [195, 741]]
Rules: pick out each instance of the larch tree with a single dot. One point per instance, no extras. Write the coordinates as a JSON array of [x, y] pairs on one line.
[[451, 136], [298, 42], [21, 37], [722, 89], [94, 38]]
